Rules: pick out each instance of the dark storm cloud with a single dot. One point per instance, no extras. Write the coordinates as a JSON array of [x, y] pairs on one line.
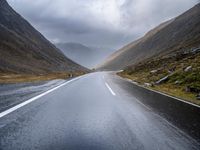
[[66, 25], [109, 23], [67, 29]]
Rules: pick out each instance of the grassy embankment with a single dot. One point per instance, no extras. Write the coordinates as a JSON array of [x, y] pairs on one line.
[[181, 83], [19, 78]]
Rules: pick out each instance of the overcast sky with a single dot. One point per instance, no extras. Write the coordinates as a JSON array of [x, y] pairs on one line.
[[101, 23]]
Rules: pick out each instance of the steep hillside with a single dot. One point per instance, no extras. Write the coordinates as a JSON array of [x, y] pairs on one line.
[[79, 53], [84, 55], [181, 33], [23, 50], [177, 74]]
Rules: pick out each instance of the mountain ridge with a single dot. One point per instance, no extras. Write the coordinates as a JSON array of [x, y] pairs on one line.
[[85, 55], [25, 50], [179, 33]]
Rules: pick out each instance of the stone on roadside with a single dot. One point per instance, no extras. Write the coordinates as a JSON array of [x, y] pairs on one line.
[[147, 84]]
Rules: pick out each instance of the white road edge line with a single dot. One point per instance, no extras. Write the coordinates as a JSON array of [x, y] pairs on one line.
[[184, 101], [10, 110], [112, 92], [142, 104]]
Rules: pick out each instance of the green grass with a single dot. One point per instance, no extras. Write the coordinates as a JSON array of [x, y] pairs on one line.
[[178, 80]]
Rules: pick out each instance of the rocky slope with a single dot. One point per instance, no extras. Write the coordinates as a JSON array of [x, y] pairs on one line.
[[23, 50], [176, 74], [180, 33]]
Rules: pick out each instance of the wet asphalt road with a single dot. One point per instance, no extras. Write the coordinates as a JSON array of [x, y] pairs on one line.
[[91, 113], [13, 94]]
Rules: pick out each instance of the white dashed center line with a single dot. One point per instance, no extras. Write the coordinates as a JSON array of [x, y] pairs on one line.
[[111, 91]]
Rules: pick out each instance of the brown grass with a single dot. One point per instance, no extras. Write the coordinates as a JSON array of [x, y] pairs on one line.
[[177, 91], [19, 78]]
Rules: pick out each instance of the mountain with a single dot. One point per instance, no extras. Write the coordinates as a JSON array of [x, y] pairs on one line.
[[84, 55], [24, 50], [180, 33]]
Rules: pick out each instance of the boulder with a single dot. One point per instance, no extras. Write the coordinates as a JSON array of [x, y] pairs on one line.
[[196, 50], [172, 69], [198, 96], [191, 89], [162, 80], [153, 71], [187, 89], [189, 68]]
